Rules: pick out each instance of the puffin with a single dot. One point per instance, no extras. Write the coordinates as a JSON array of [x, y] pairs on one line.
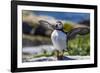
[[60, 38]]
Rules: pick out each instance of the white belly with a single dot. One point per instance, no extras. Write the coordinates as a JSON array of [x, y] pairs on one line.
[[59, 40]]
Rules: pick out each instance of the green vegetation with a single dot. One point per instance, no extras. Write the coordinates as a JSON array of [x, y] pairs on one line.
[[79, 46], [43, 55], [68, 26]]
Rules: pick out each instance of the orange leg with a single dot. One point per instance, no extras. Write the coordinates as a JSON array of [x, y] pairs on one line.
[[59, 54]]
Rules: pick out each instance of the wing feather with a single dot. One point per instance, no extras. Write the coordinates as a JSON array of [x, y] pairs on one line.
[[78, 31], [46, 23]]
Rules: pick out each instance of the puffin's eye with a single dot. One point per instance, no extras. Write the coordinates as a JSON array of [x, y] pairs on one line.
[[59, 23]]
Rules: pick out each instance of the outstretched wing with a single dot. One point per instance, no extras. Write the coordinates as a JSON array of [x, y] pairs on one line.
[[80, 30], [46, 23]]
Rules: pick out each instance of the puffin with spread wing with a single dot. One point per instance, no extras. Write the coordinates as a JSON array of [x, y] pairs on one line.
[[59, 37]]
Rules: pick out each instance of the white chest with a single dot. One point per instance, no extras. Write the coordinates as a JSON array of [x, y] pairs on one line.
[[59, 39], [56, 34]]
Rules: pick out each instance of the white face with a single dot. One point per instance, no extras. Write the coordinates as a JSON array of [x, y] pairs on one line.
[[59, 25]]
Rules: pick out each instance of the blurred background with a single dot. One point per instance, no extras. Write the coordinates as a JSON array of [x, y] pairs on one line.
[[36, 40]]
